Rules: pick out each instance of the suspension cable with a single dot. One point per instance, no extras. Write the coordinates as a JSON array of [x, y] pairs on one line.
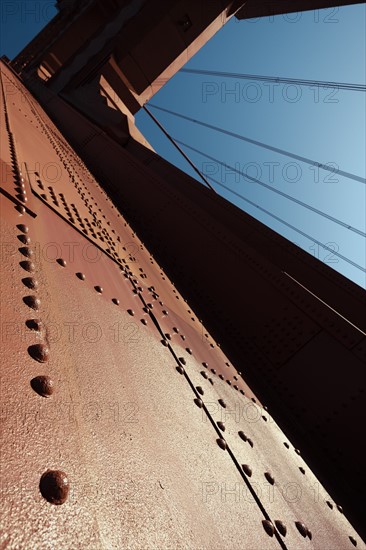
[[289, 197], [282, 79], [289, 225], [175, 142], [265, 146], [179, 148]]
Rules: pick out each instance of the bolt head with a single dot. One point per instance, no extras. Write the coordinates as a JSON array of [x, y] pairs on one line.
[[54, 486], [43, 385], [268, 527], [281, 527], [269, 477], [39, 352], [221, 443], [247, 470]]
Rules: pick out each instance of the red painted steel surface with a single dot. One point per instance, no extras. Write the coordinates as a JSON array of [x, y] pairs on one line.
[[294, 347], [146, 435]]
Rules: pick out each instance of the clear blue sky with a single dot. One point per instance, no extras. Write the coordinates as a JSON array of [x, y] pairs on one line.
[[321, 125]]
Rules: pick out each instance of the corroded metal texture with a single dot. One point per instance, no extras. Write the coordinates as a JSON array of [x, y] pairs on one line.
[[124, 425]]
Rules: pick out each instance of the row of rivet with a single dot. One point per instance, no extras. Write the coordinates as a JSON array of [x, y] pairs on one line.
[[199, 403], [20, 185], [246, 468], [54, 484]]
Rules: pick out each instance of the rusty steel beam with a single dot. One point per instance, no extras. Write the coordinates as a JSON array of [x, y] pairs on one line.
[[124, 425], [285, 316]]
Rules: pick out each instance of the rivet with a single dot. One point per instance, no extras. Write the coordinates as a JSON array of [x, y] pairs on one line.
[[213, 371], [264, 418], [30, 282], [183, 337], [54, 486], [115, 301], [99, 289], [247, 469], [297, 451], [354, 541], [205, 365], [32, 301], [34, 324], [250, 442], [39, 352], [222, 377], [27, 266], [268, 527], [180, 370], [176, 329], [340, 508], [228, 382], [26, 251], [281, 527], [204, 374], [61, 262], [221, 425], [182, 360], [188, 350], [43, 385], [301, 469], [24, 239], [198, 402], [242, 436], [20, 209], [221, 443], [165, 343], [165, 312], [144, 321], [23, 228], [222, 403], [301, 528], [80, 276], [211, 381], [200, 390], [269, 477], [286, 445], [329, 504], [167, 336]]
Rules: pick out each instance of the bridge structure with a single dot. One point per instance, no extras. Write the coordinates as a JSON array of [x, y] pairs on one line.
[[174, 373]]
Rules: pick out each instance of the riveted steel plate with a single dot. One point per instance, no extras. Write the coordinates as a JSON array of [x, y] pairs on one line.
[[96, 397], [122, 424]]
